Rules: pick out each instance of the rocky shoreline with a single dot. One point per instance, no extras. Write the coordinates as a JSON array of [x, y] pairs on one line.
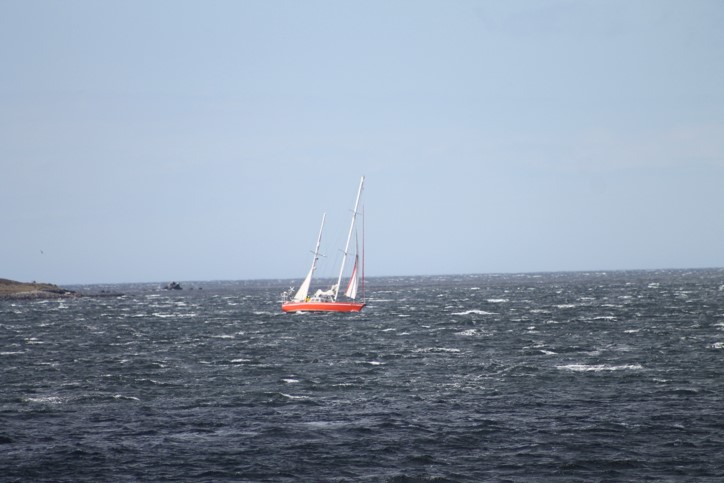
[[12, 290]]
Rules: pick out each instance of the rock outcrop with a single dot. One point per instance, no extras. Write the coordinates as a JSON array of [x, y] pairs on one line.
[[173, 286], [10, 289]]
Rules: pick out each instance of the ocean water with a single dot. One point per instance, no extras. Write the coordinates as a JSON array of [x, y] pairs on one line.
[[595, 376]]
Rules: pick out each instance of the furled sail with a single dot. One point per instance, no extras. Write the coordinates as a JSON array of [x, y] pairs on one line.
[[351, 291]]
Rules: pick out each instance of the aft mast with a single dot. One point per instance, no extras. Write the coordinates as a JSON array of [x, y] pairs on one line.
[[349, 238]]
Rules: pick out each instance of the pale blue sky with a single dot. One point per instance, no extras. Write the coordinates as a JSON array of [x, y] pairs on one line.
[[197, 140]]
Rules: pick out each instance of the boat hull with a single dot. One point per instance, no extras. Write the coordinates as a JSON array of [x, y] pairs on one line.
[[322, 306]]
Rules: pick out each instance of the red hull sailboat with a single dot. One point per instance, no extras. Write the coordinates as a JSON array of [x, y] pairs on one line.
[[328, 300], [322, 306]]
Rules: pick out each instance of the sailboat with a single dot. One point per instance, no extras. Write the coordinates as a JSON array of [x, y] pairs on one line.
[[329, 300]]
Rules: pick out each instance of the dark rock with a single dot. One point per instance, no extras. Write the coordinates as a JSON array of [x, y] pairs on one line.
[[173, 286]]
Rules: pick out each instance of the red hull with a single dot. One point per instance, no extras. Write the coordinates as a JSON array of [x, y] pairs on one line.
[[322, 306]]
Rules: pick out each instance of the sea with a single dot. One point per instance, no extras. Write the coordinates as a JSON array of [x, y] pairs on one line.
[[587, 376]]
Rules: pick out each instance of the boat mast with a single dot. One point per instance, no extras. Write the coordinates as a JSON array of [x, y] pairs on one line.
[[304, 288], [319, 240], [349, 237]]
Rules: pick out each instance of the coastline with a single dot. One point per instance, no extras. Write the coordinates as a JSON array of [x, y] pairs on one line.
[[13, 290]]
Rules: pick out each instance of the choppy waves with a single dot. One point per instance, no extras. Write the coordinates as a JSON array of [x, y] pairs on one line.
[[575, 377]]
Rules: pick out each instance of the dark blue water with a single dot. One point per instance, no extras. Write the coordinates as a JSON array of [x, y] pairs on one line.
[[565, 377]]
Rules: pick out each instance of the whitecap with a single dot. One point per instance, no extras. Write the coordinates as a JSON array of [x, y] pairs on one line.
[[474, 311], [45, 400], [162, 316], [290, 381], [497, 301], [130, 398], [370, 363], [190, 315], [467, 333], [566, 306], [436, 349], [598, 367]]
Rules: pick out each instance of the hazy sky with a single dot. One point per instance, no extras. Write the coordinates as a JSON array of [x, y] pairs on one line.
[[198, 140]]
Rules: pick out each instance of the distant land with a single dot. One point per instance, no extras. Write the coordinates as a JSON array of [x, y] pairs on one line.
[[10, 289]]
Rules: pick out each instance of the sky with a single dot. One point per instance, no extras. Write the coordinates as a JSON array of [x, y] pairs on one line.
[[202, 140]]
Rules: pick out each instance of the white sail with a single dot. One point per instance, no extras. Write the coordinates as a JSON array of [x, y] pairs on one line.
[[351, 291], [303, 291]]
